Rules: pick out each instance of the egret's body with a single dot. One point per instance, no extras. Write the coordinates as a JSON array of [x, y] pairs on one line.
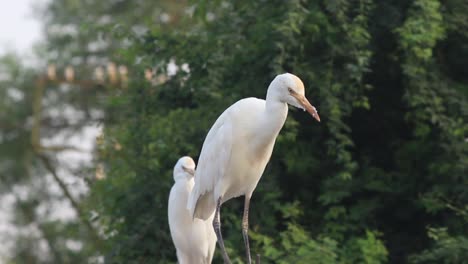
[[194, 239], [240, 152], [238, 148]]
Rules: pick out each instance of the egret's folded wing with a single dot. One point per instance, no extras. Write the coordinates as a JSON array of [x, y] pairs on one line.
[[214, 157]]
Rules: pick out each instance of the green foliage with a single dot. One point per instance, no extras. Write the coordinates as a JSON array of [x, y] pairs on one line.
[[421, 31], [34, 110], [388, 159], [447, 248], [15, 107], [372, 248], [35, 236], [297, 246]]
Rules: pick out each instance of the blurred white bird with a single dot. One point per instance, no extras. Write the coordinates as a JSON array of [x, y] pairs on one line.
[[194, 239], [237, 149]]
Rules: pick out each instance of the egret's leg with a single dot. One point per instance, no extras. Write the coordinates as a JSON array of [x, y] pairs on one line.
[[217, 229], [245, 228]]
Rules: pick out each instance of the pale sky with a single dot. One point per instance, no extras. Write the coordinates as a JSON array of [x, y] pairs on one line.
[[19, 29]]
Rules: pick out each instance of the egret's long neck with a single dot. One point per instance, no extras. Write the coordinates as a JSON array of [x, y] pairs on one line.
[[272, 119], [275, 114], [276, 110]]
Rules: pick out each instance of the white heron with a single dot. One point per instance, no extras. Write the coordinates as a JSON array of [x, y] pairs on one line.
[[194, 239], [238, 148]]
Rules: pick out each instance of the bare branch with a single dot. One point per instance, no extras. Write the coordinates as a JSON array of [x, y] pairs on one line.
[[58, 148]]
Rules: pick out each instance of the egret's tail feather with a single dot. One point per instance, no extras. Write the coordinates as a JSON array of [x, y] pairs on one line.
[[203, 207]]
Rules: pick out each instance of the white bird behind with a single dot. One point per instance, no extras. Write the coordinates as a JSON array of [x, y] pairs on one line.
[[195, 240]]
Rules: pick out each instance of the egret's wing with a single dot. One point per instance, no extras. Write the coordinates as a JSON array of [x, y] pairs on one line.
[[214, 158]]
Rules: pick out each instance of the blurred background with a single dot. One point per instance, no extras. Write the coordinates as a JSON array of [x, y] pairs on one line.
[[98, 100]]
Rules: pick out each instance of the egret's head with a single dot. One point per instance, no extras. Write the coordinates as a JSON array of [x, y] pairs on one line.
[[184, 168], [288, 88]]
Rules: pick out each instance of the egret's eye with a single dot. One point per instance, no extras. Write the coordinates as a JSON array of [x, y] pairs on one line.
[[290, 90]]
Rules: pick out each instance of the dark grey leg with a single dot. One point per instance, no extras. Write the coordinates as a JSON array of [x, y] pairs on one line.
[[217, 229], [245, 228]]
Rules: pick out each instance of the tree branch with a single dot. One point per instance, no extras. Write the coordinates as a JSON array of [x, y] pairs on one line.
[[57, 148], [38, 149], [74, 203], [37, 112]]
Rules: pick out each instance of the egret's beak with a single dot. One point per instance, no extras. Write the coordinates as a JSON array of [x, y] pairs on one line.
[[307, 106], [189, 171]]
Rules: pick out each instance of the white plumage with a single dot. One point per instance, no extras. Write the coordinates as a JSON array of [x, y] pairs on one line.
[[194, 239], [238, 148]]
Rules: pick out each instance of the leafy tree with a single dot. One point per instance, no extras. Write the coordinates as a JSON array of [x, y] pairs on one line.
[[381, 179], [31, 178], [36, 109], [387, 160]]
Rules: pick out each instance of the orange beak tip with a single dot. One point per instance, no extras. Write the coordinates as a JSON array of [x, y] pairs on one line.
[[306, 106], [317, 117]]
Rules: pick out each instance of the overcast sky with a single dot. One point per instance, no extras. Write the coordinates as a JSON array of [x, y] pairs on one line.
[[18, 27]]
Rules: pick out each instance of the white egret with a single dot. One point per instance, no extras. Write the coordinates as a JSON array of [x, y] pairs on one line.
[[238, 148], [194, 239]]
